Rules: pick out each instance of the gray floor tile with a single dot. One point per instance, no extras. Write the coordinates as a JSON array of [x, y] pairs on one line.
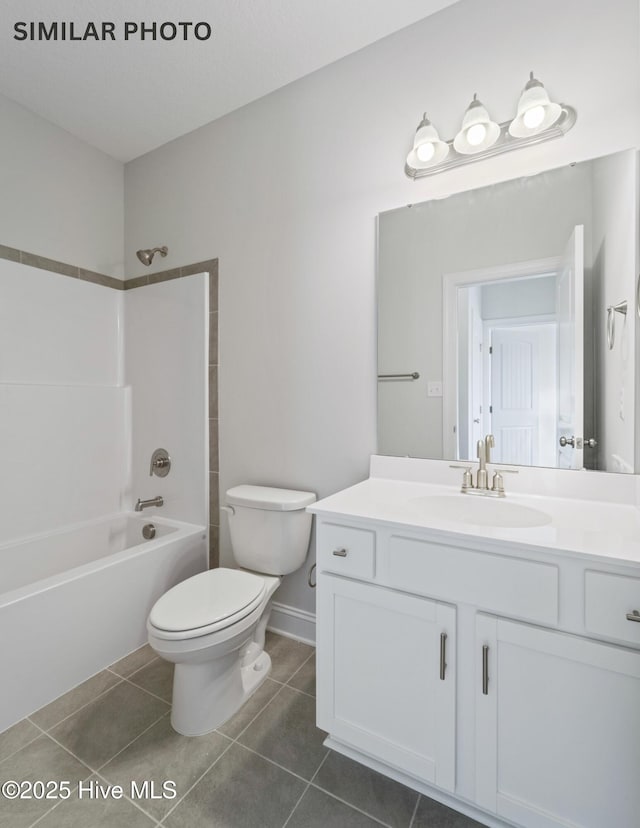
[[286, 655], [432, 814], [17, 737], [161, 754], [380, 797], [157, 678], [134, 661], [83, 811], [240, 791], [319, 810], [305, 678], [250, 709], [65, 705], [41, 760], [97, 732], [286, 732]]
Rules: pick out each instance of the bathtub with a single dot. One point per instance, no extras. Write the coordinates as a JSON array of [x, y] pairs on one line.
[[77, 599]]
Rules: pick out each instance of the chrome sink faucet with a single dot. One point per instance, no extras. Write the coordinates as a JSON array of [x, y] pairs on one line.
[[481, 487]]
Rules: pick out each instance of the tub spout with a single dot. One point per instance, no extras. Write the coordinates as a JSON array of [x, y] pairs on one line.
[[143, 504]]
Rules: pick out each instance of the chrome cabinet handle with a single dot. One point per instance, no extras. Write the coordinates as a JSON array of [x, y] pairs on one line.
[[485, 669], [340, 553], [633, 616], [312, 583], [443, 655]]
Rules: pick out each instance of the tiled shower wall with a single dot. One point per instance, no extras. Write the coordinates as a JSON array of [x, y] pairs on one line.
[[210, 266]]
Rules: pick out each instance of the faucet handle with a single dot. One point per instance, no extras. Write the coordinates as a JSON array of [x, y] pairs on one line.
[[160, 463], [497, 484], [467, 477]]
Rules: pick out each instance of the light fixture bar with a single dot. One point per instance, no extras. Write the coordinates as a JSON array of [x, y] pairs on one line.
[[505, 143]]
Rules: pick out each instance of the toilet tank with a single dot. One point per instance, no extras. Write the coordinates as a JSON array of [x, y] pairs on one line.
[[269, 528]]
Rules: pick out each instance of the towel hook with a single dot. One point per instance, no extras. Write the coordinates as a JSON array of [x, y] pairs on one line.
[[621, 307]]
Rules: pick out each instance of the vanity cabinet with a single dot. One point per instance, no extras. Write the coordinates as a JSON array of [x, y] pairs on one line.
[[477, 672], [387, 662], [557, 727]]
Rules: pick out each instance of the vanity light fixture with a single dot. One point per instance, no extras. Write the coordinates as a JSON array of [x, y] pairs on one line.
[[535, 111], [478, 132], [537, 119], [428, 150]]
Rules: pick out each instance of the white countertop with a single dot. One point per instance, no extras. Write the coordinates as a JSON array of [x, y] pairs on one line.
[[600, 529]]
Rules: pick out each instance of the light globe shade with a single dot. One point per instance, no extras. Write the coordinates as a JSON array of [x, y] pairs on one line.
[[478, 132], [428, 150], [535, 111]]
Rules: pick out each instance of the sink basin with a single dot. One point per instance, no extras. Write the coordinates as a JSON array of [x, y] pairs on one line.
[[479, 511]]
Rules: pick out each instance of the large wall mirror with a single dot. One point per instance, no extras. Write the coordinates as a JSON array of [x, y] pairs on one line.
[[511, 310]]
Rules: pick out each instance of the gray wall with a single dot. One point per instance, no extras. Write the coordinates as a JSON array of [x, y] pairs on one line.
[[527, 297], [286, 190]]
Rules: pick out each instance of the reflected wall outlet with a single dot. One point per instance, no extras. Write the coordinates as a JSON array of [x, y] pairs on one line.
[[434, 388]]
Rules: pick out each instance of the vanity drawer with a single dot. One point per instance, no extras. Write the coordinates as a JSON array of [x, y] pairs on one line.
[[496, 583], [346, 550], [608, 599]]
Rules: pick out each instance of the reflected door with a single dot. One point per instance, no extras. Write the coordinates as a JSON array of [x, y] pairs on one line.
[[570, 315], [523, 392]]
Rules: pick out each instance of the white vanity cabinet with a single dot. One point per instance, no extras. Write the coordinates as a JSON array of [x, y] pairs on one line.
[[387, 662], [492, 677], [557, 727]]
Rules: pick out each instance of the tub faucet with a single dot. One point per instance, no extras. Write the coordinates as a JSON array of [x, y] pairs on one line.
[[143, 504]]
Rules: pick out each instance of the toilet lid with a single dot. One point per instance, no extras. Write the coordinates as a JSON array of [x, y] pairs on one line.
[[207, 598]]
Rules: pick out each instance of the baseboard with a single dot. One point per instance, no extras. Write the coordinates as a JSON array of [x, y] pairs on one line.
[[293, 623]]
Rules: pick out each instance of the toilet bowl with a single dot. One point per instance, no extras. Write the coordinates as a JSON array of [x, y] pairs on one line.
[[212, 626]]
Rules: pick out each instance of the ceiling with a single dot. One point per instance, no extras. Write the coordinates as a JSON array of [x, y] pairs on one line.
[[129, 97]]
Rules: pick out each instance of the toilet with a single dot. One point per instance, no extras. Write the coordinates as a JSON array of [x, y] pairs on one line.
[[212, 626]]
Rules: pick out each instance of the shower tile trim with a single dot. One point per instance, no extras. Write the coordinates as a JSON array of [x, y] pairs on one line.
[[13, 254], [210, 266]]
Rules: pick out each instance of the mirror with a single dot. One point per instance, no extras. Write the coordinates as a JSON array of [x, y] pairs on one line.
[[502, 311]]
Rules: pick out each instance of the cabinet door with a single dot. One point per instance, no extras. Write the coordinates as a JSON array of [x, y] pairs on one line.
[[381, 687], [558, 729]]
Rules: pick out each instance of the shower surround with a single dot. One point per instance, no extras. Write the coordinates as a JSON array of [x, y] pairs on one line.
[[88, 376]]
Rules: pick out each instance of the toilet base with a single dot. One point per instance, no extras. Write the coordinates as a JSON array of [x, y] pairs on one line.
[[206, 695]]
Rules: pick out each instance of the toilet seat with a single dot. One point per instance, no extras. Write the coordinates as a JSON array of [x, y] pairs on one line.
[[206, 603]]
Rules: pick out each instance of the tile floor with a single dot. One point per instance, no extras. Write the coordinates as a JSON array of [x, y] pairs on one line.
[[265, 767]]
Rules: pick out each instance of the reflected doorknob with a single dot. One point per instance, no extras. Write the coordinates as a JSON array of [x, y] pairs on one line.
[[578, 442]]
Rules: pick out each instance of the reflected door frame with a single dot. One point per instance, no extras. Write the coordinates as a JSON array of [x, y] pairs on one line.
[[450, 357]]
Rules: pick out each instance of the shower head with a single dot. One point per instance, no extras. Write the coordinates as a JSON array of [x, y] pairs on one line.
[[146, 256]]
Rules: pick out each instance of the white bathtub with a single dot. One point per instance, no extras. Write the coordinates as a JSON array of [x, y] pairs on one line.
[[76, 600]]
